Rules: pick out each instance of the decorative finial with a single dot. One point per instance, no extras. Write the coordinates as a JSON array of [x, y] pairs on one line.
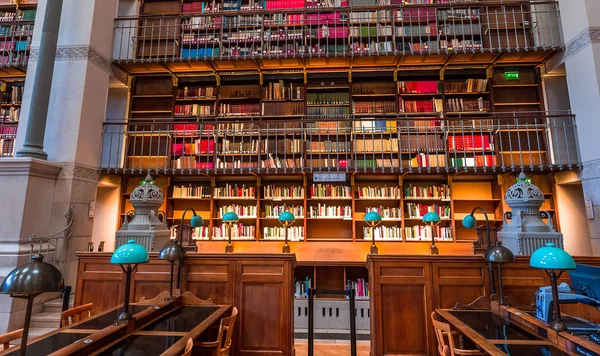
[[522, 176], [148, 178]]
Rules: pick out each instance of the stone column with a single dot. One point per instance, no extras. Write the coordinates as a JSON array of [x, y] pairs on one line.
[[581, 29], [36, 125], [40, 192]]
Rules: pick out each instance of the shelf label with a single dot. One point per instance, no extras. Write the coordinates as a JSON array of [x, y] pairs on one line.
[[329, 176], [277, 199]]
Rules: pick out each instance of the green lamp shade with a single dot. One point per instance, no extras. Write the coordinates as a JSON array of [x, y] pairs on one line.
[[196, 221], [230, 216], [286, 216], [33, 278], [469, 221], [129, 253], [551, 257], [431, 217], [372, 216]]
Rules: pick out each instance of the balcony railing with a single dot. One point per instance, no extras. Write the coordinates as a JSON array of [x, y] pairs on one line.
[[312, 31], [387, 143]]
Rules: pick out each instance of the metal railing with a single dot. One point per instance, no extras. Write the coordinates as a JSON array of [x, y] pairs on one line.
[[315, 31], [384, 143], [15, 40]]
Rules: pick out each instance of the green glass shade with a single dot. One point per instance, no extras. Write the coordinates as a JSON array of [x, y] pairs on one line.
[[469, 222], [286, 216], [551, 257], [230, 216], [431, 217], [372, 216], [129, 253], [33, 278], [196, 221]]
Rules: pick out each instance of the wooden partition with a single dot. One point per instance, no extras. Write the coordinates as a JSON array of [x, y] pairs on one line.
[[406, 289], [260, 286]]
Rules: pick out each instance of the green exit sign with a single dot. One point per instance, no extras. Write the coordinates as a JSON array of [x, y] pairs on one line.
[[511, 75]]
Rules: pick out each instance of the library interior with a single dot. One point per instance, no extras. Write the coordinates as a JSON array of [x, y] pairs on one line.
[[300, 177]]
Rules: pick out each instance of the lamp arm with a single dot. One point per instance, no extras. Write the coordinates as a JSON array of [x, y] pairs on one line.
[[180, 239], [487, 223]]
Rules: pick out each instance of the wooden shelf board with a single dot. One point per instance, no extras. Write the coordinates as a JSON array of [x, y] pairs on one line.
[[324, 87], [151, 111], [517, 104], [324, 198], [280, 199], [195, 99], [389, 95], [191, 198], [513, 85], [295, 217], [469, 93], [327, 105]]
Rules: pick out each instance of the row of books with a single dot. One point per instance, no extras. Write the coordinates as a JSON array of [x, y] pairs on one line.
[[330, 111], [424, 160], [7, 146], [414, 106], [277, 162], [242, 211], [418, 210], [196, 92], [283, 91], [13, 95], [283, 108], [239, 231], [374, 107], [191, 191], [441, 192], [470, 142], [386, 213], [383, 233], [467, 105], [10, 114], [235, 191], [476, 161], [321, 190], [371, 47], [273, 211], [294, 233], [239, 109], [200, 145], [301, 287], [392, 192], [341, 98], [424, 233], [235, 164], [314, 147], [199, 6], [419, 87], [271, 191], [240, 146], [194, 110], [360, 287], [465, 86], [375, 146], [330, 211]]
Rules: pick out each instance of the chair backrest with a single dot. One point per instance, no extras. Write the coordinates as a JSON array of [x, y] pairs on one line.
[[446, 351], [8, 337], [188, 347], [443, 334], [226, 332], [76, 314]]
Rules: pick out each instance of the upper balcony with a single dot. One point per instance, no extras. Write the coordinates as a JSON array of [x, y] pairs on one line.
[[287, 33]]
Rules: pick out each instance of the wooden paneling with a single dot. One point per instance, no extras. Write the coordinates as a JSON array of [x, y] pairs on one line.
[[454, 283], [260, 286]]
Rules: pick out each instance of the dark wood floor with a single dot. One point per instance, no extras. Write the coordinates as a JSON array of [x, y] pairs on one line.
[[331, 349]]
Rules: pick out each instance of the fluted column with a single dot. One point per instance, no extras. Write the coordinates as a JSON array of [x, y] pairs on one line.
[[38, 110]]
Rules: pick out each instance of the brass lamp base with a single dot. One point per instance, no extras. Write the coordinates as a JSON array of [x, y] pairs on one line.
[[229, 248], [434, 250], [558, 326], [123, 317], [285, 248], [374, 250]]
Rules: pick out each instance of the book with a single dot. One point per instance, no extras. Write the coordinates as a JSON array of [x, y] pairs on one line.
[[239, 231], [441, 192], [294, 233], [235, 191], [273, 211], [418, 210], [425, 233], [322, 210], [383, 233], [320, 190], [191, 191], [272, 191], [392, 192], [242, 211], [386, 213]]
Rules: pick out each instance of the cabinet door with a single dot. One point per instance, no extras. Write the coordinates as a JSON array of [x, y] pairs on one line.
[[210, 278], [264, 299], [100, 283], [404, 288], [458, 282]]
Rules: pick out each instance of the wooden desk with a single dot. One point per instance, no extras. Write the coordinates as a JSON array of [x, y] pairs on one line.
[[98, 333], [261, 286], [498, 336]]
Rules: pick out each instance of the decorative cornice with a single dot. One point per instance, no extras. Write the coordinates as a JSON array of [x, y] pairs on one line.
[[83, 53], [584, 39], [79, 172], [29, 167]]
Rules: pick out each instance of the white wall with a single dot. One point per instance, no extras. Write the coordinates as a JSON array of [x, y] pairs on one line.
[[573, 221], [106, 217]]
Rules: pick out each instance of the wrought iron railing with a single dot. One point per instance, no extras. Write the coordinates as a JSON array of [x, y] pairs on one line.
[[315, 31], [383, 143]]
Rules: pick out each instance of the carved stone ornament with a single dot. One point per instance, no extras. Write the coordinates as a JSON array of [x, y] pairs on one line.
[[524, 192]]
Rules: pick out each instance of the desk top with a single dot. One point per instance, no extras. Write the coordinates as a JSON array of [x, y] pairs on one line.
[[140, 345], [49, 344], [182, 319]]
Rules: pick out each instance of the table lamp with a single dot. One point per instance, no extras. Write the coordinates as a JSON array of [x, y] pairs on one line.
[[230, 217], [554, 261], [499, 254], [373, 219], [195, 221], [432, 218], [469, 222], [173, 252], [126, 255], [286, 219], [27, 282]]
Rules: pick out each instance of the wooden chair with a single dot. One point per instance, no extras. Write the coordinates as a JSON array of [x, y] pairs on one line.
[[445, 339], [11, 336], [188, 347], [222, 345], [76, 314]]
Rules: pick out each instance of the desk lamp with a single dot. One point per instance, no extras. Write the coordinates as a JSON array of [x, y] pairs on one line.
[[195, 221], [27, 282], [173, 252], [469, 222], [126, 255], [373, 219], [432, 218], [230, 217], [286, 219], [499, 254], [554, 261]]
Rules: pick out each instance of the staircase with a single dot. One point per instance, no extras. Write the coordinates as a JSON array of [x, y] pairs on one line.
[[48, 319]]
